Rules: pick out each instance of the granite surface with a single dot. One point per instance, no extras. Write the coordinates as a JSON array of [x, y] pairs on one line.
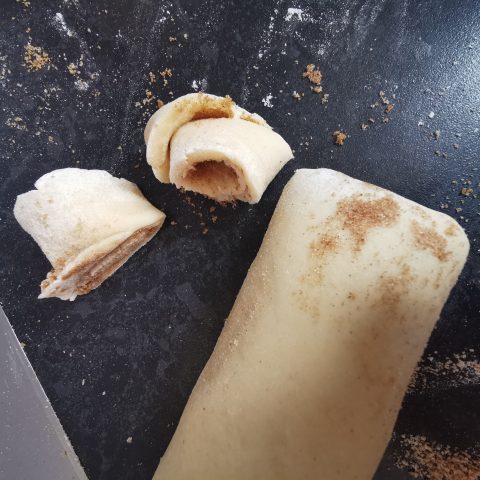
[[122, 361]]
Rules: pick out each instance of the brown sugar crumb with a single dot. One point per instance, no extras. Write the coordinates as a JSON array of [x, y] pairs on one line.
[[72, 69], [149, 97], [429, 239], [166, 73], [160, 103], [359, 216], [35, 58], [173, 223], [364, 126], [172, 39], [316, 89], [466, 192], [432, 461], [25, 3], [205, 231], [389, 108], [152, 77], [339, 137], [313, 74]]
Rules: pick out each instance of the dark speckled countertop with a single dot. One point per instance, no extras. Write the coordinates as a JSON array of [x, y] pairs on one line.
[[122, 361]]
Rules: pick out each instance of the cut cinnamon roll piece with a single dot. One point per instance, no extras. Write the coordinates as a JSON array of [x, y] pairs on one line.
[[88, 224], [209, 145]]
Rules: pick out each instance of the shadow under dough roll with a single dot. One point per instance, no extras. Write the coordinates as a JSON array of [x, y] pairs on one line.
[[308, 375]]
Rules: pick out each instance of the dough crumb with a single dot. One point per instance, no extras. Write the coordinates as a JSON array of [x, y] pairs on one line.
[[72, 69], [129, 440], [296, 95]]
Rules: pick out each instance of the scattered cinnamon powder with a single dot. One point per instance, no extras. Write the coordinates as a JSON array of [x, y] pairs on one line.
[[451, 230], [313, 74], [429, 239], [432, 461], [448, 372], [392, 288], [323, 244], [35, 58], [360, 215], [339, 137]]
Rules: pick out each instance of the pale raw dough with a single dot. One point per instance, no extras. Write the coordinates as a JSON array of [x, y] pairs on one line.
[[309, 372], [208, 144], [88, 224]]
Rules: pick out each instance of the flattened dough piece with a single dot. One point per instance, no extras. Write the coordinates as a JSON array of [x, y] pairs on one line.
[[87, 223], [309, 372], [236, 154]]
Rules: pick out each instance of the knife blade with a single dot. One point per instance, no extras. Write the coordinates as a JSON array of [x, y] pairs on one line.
[[33, 444]]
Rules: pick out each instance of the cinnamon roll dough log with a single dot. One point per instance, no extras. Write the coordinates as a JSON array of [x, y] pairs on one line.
[[309, 372], [245, 153], [87, 224]]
